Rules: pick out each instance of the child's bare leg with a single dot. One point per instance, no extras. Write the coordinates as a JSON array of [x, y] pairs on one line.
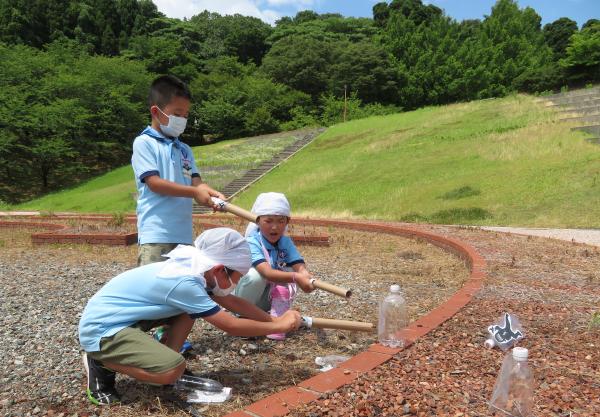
[[178, 331], [163, 378]]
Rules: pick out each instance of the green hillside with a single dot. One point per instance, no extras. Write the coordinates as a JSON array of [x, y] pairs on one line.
[[218, 163], [502, 162]]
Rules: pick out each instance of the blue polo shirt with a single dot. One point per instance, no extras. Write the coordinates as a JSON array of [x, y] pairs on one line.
[[162, 218], [283, 253], [123, 302]]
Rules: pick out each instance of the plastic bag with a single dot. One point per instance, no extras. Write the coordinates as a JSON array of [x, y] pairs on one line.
[[505, 332]]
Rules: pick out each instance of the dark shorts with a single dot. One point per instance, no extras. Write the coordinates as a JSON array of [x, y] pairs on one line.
[[132, 346]]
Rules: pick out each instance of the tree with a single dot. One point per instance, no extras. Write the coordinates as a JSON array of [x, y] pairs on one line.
[[381, 13], [582, 60], [557, 35]]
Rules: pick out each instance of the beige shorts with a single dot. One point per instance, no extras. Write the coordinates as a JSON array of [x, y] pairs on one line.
[[132, 346], [152, 252]]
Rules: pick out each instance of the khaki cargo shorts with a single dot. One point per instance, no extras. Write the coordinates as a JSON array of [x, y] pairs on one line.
[[132, 346], [152, 252]]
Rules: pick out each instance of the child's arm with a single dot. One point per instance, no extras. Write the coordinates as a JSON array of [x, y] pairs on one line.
[[242, 307], [288, 322], [170, 188], [301, 276]]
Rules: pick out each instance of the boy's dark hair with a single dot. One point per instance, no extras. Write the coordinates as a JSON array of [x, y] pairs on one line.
[[164, 88]]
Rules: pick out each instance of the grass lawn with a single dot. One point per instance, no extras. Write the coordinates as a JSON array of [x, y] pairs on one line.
[[219, 163], [493, 162]]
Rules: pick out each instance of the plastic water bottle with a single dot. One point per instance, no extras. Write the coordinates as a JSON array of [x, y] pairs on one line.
[[513, 392], [393, 317]]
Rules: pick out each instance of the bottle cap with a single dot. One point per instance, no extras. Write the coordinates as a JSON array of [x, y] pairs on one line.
[[489, 343], [520, 353], [395, 288]]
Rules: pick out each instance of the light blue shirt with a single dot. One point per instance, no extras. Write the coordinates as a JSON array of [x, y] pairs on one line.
[[138, 294], [282, 254], [162, 218]]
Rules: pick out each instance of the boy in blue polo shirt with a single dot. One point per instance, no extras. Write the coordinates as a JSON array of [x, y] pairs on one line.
[[166, 175], [193, 283], [277, 266]]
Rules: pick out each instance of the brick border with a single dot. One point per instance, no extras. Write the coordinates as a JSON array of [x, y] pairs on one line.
[[281, 403], [56, 236]]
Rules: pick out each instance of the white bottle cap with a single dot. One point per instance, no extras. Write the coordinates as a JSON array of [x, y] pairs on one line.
[[395, 288], [489, 343], [520, 353]]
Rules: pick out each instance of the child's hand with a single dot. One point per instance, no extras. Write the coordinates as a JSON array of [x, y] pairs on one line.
[[303, 279], [202, 196], [289, 321]]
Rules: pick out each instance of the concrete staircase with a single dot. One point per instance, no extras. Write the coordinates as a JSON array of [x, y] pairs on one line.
[[581, 107], [250, 177]]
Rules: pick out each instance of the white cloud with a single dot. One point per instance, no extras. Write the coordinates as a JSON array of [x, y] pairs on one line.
[[266, 10]]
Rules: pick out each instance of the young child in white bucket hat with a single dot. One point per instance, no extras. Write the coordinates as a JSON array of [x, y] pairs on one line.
[[277, 266]]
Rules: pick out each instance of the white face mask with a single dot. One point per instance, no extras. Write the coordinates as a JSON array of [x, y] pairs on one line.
[[175, 127], [223, 292]]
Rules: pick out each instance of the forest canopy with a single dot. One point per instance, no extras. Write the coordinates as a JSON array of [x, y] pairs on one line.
[[75, 73]]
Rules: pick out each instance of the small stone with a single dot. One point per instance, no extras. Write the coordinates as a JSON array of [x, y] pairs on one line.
[[588, 357], [243, 352], [252, 346], [347, 372]]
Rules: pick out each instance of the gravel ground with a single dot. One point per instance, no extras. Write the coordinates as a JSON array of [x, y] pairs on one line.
[[553, 287], [587, 236], [43, 290]]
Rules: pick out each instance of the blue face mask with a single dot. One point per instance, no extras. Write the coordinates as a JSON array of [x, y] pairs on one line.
[[175, 127]]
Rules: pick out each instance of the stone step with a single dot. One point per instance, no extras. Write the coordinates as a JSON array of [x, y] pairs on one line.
[[582, 110], [591, 119], [575, 93], [589, 100], [593, 129]]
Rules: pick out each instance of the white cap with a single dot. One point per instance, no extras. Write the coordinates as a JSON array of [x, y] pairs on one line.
[[520, 353], [269, 204], [489, 343], [395, 288]]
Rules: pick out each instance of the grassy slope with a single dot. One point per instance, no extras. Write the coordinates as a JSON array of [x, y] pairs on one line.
[[501, 162], [219, 163]]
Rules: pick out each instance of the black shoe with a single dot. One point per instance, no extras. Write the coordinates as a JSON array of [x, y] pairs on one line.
[[100, 383]]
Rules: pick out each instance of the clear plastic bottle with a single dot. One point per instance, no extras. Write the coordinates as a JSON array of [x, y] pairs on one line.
[[513, 392], [393, 317]]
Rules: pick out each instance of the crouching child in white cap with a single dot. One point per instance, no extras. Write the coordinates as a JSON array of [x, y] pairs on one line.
[[277, 266], [193, 283]]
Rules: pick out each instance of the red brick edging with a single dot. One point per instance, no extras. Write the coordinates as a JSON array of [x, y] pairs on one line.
[[57, 236], [281, 403]]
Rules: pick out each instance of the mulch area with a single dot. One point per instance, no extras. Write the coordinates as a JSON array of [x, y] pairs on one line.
[[553, 287]]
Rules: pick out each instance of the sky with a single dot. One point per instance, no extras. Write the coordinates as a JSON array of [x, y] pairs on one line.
[[271, 10]]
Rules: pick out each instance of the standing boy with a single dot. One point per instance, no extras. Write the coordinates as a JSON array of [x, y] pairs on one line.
[[166, 175], [193, 283]]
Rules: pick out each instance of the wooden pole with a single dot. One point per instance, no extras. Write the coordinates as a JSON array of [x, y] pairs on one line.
[[334, 289], [357, 326]]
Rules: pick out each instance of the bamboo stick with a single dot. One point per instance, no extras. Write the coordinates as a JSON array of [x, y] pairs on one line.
[[320, 323], [334, 289]]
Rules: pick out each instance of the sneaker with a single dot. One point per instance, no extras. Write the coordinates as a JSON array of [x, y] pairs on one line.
[[281, 301], [100, 383]]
